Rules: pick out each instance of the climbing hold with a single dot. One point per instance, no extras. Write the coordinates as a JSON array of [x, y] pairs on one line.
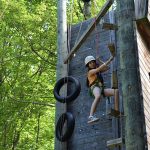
[[73, 95], [68, 129]]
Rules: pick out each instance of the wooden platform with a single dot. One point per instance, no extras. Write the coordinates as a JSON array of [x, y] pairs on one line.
[[115, 142]]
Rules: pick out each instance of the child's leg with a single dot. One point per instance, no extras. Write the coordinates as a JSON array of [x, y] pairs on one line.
[[115, 93], [97, 95]]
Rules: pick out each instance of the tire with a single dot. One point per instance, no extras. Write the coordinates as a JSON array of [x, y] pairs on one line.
[[64, 136], [73, 95]]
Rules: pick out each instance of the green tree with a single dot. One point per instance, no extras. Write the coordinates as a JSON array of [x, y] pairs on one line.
[[27, 71]]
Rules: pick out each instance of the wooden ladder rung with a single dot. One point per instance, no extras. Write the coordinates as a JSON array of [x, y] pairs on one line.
[[109, 26], [115, 142], [112, 48], [114, 113]]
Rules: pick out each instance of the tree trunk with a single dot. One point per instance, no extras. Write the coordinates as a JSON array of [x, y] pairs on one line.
[[38, 130], [62, 69], [129, 75], [15, 139], [5, 135]]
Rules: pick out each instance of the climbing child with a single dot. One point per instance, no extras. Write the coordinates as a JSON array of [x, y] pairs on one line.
[[96, 85]]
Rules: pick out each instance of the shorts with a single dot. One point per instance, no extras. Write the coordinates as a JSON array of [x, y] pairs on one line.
[[101, 88]]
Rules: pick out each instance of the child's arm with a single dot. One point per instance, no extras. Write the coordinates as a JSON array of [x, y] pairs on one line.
[[101, 67], [109, 60]]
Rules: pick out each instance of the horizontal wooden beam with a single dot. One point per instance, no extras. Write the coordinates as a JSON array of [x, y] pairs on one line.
[[89, 29], [115, 142], [109, 26]]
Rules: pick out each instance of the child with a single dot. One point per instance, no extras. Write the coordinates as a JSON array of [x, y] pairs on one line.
[[95, 83]]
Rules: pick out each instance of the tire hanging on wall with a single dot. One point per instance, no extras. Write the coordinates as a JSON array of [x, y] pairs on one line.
[[69, 98], [65, 117]]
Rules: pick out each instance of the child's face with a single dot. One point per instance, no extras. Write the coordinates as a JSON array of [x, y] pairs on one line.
[[92, 64]]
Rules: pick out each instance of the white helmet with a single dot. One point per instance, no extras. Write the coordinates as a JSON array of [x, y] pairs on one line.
[[88, 59]]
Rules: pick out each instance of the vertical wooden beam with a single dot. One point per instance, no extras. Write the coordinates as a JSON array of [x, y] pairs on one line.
[[61, 67], [129, 75]]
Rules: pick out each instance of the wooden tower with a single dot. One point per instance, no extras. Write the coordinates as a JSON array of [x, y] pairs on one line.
[[126, 28]]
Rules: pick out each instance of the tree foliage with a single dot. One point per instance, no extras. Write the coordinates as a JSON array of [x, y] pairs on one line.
[[75, 10], [27, 73], [28, 56]]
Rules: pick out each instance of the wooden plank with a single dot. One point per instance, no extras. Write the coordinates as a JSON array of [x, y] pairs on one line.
[[89, 29], [143, 27], [115, 142], [109, 26]]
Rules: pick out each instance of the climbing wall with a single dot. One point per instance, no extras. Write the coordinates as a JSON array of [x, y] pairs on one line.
[[85, 136]]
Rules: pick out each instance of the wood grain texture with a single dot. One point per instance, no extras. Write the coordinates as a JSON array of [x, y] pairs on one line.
[[144, 66]]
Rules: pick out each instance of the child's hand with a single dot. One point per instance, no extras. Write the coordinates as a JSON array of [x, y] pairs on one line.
[[105, 68]]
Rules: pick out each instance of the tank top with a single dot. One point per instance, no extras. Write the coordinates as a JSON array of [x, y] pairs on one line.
[[95, 78]]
